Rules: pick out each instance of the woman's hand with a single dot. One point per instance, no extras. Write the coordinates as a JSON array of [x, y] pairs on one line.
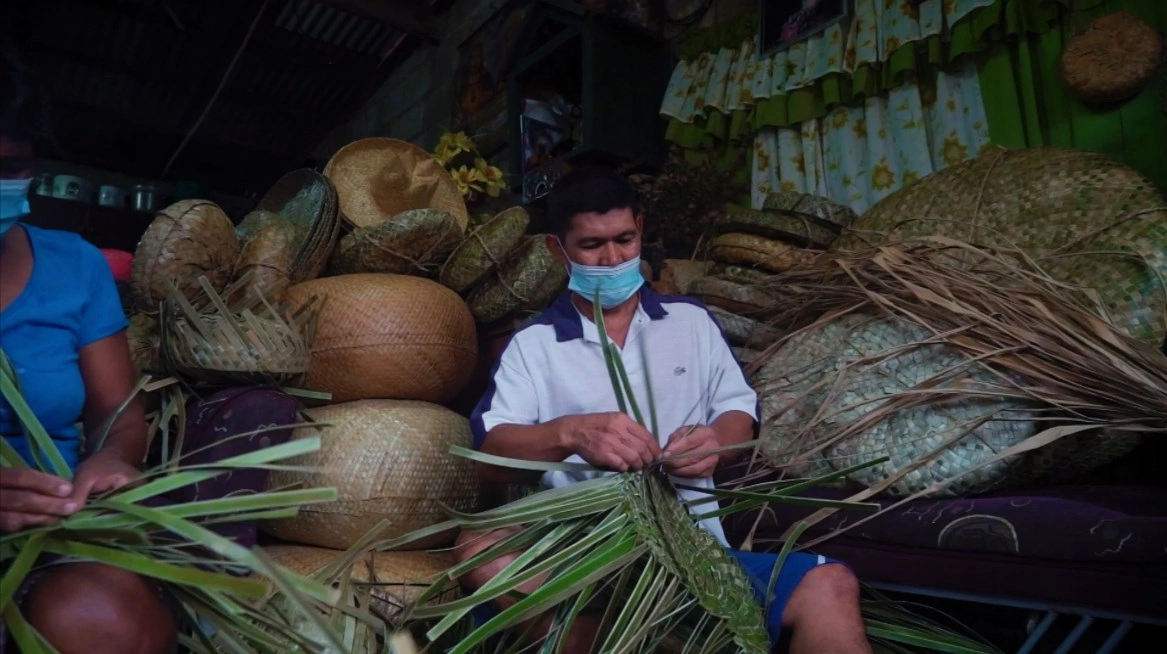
[[31, 499], [101, 473]]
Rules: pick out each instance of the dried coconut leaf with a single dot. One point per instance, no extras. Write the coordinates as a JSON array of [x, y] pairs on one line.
[[415, 242], [187, 240]]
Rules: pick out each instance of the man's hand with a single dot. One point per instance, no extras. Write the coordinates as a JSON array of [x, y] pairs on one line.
[[101, 473], [610, 440], [696, 445], [30, 499]]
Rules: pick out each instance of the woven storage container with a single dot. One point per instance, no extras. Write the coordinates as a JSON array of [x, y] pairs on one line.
[[305, 201], [144, 338], [752, 250], [745, 356], [395, 579], [788, 226], [742, 299], [528, 281], [267, 257], [681, 273], [415, 242], [740, 274], [1088, 220], [1113, 60], [378, 178], [814, 208], [185, 240], [745, 332], [847, 370], [484, 249], [388, 460], [389, 336]]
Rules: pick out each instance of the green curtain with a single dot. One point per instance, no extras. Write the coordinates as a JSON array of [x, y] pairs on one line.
[[1027, 105], [975, 33]]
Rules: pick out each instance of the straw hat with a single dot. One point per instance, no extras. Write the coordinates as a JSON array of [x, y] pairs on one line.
[[378, 178], [1112, 60]]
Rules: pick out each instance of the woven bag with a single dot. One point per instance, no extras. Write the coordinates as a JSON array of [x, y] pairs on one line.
[[416, 242], [388, 336], [528, 281], [388, 460], [745, 332], [484, 249], [847, 370], [186, 240], [395, 579], [1088, 220]]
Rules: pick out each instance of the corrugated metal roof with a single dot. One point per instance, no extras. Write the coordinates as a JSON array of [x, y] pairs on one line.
[[129, 71]]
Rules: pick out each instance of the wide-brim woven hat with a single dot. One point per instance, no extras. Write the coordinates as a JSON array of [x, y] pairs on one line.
[[379, 178]]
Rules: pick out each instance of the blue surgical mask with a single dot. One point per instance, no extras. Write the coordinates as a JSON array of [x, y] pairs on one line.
[[13, 202], [616, 283]]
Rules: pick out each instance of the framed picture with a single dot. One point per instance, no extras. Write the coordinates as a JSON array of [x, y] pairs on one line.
[[784, 22], [480, 80], [539, 141]]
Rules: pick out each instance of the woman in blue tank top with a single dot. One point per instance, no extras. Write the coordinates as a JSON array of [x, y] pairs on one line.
[[63, 328]]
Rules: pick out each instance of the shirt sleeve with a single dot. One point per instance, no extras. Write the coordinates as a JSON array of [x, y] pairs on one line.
[[101, 315], [729, 390], [509, 399]]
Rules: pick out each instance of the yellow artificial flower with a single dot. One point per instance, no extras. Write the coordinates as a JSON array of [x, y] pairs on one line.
[[468, 179], [456, 143], [492, 176]]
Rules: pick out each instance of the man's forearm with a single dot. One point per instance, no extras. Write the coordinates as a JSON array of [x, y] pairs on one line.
[[529, 442], [732, 428]]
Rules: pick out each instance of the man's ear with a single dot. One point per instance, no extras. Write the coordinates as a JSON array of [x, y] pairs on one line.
[[556, 248], [640, 224]]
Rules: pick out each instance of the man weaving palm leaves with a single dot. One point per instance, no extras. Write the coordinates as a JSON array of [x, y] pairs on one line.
[[550, 400]]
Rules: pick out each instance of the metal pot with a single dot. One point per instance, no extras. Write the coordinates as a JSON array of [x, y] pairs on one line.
[[111, 196], [144, 198]]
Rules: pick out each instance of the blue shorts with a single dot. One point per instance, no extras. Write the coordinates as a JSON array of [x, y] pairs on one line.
[[759, 566]]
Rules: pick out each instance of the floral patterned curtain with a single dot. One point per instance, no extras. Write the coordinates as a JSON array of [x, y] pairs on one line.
[[858, 155], [731, 80]]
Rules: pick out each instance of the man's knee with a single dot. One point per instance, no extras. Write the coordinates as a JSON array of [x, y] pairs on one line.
[[93, 608], [831, 586]]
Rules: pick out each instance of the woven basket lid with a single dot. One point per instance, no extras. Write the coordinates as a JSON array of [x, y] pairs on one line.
[[484, 249], [1112, 60], [378, 178], [417, 242], [307, 201], [528, 281], [187, 239]]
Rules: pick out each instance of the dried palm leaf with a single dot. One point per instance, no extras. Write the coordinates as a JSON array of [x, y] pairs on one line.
[[249, 341], [1040, 342]]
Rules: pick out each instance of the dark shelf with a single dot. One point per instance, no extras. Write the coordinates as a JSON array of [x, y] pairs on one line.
[[104, 227]]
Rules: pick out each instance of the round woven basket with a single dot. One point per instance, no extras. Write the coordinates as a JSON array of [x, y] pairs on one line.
[[188, 239], [145, 343], [388, 460], [681, 273], [395, 579], [745, 332], [790, 227], [416, 242], [1113, 60], [484, 249], [741, 299], [813, 208], [378, 178], [847, 370], [740, 274], [1087, 219], [753, 250], [389, 336], [528, 281]]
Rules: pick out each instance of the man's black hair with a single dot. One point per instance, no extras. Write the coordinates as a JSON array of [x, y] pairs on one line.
[[588, 190]]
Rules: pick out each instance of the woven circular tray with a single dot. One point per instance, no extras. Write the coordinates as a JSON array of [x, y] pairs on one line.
[[528, 281], [794, 228], [484, 248], [1113, 60], [416, 242], [763, 253]]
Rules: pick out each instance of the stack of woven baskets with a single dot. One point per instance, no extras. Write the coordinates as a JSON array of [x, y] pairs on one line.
[[751, 246], [502, 271]]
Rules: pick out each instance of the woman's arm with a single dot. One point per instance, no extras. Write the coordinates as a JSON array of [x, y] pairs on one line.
[[109, 378]]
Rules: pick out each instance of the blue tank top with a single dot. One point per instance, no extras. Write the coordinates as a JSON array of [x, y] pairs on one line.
[[70, 301]]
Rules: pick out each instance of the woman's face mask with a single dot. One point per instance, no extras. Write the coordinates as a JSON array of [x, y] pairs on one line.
[[13, 202]]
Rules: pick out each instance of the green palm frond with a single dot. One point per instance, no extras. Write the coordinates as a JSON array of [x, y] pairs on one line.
[[221, 585]]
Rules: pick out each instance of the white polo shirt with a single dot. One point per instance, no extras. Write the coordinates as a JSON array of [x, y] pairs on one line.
[[554, 367]]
